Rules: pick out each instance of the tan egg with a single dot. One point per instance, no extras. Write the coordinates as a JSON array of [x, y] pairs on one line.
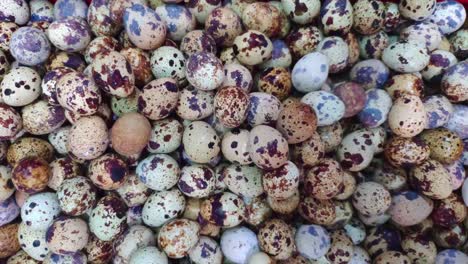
[[406, 83], [446, 146], [419, 249], [40, 118], [9, 243], [231, 105], [406, 152], [29, 147], [392, 178], [341, 250], [431, 179], [410, 208], [130, 134], [449, 211], [277, 239], [31, 175], [177, 237], [223, 209], [263, 17], [349, 186], [331, 136], [88, 138], [391, 257], [407, 117], [371, 198], [108, 172], [275, 81], [297, 122], [311, 150], [67, 235], [284, 206], [133, 191], [320, 212], [324, 180], [62, 169], [201, 143], [99, 251]]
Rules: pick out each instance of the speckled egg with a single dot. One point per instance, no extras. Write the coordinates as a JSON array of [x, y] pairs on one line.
[[370, 74], [324, 180], [331, 136], [40, 210], [268, 148], [158, 172], [270, 22], [70, 34], [223, 209], [312, 241], [320, 212], [446, 146], [371, 198], [431, 179], [448, 15], [62, 169], [417, 10], [29, 46], [4, 65], [76, 196], [201, 8], [453, 82], [137, 236], [419, 249], [99, 251], [301, 12], [407, 117], [406, 56], [82, 103], [67, 235], [296, 122], [406, 83], [78, 258], [337, 51], [440, 60], [6, 185], [70, 8], [264, 108], [108, 172], [238, 244], [311, 150], [64, 59], [133, 191], [276, 238], [380, 239], [449, 211], [341, 250], [21, 86], [204, 71], [144, 27], [275, 81], [406, 152], [59, 138], [372, 46], [310, 72], [284, 207], [178, 19], [108, 218], [451, 255], [31, 175], [237, 75], [166, 136], [167, 62], [163, 206], [327, 106], [129, 104], [235, 146], [49, 83], [336, 16], [88, 138], [252, 48], [21, 257], [224, 25], [41, 118], [169, 237], [457, 120], [196, 181], [303, 40], [140, 63], [100, 21], [158, 98], [33, 242], [6, 31], [201, 142], [452, 237], [392, 257], [15, 11], [150, 255], [353, 96], [12, 122], [195, 104], [9, 210], [231, 104], [243, 180], [113, 74], [207, 250], [368, 16], [29, 147], [197, 41]]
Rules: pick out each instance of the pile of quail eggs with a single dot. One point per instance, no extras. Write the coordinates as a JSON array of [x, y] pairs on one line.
[[238, 131]]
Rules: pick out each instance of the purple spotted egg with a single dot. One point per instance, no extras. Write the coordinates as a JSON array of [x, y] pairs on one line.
[[76, 258], [252, 48], [224, 25], [137, 236], [100, 45], [280, 56], [49, 83], [158, 98], [99, 19], [108, 172], [336, 16], [312, 241], [33, 242], [372, 46], [337, 52], [158, 172], [196, 181], [76, 196], [40, 118], [195, 104], [40, 210], [451, 255], [202, 8], [237, 75], [356, 150], [368, 16], [417, 10], [328, 107], [376, 109], [310, 72], [11, 122], [163, 206], [196, 41], [29, 46], [457, 173], [108, 219], [263, 109], [353, 96], [438, 109], [223, 209], [70, 8], [449, 16], [69, 34], [64, 59], [268, 148], [144, 27], [9, 210], [380, 239], [166, 136], [14, 11], [370, 73], [205, 71], [178, 18], [424, 32], [41, 10], [235, 146], [439, 61], [457, 121], [454, 84], [207, 250]]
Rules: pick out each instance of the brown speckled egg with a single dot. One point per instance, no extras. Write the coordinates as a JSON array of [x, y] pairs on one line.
[[252, 48], [29, 147], [381, 239], [324, 180], [276, 238], [392, 257], [11, 122], [297, 122], [162, 207], [99, 251], [6, 30], [130, 134], [62, 169], [344, 214], [341, 250], [311, 150], [283, 182], [231, 104], [407, 117], [449, 211], [108, 172], [371, 198], [320, 212], [268, 148], [224, 25], [204, 71], [88, 138], [419, 249], [76, 195], [452, 237], [21, 257], [31, 175], [406, 83], [158, 98], [67, 235], [113, 74], [78, 93], [331, 136], [108, 219], [284, 206], [140, 63], [406, 152], [446, 146], [409, 208], [257, 211], [223, 209], [49, 82], [303, 40], [9, 243], [196, 41], [133, 191], [100, 45], [263, 17], [40, 118], [417, 10], [368, 16], [349, 186], [177, 237], [431, 179]]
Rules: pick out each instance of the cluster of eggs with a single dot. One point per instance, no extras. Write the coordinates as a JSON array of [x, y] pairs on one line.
[[241, 131]]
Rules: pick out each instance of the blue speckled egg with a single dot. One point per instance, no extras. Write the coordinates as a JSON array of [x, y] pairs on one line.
[[29, 46], [280, 56], [449, 15], [263, 109], [439, 61], [337, 51], [451, 256], [178, 19], [312, 241], [99, 19], [310, 72], [372, 46], [370, 74], [327, 106], [70, 8], [144, 27], [457, 173], [75, 258], [41, 10], [14, 11], [336, 16], [376, 110], [69, 34], [424, 32], [438, 109], [9, 210]]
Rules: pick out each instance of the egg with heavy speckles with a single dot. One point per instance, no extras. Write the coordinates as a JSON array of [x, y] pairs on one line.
[[108, 172], [268, 148], [311, 150], [406, 152], [327, 106], [406, 83], [283, 182], [457, 120], [446, 146], [70, 8], [76, 195], [371, 198], [41, 118], [324, 180], [368, 16], [431, 179], [168, 62], [449, 16], [419, 249], [31, 175], [380, 239], [69, 34], [67, 235], [196, 181], [438, 109], [33, 242], [296, 122], [108, 219], [264, 108], [407, 117], [65, 59], [144, 27], [49, 83], [452, 237], [336, 16], [40, 210], [6, 185], [425, 32], [312, 241], [99, 19], [341, 250], [320, 212], [224, 25], [169, 237], [11, 122], [30, 46], [457, 173], [275, 81], [15, 11], [113, 74], [204, 71], [357, 149], [231, 104], [6, 31], [376, 109], [453, 84], [21, 86], [372, 46], [88, 138], [301, 12], [406, 56], [237, 75], [207, 250], [370, 74], [78, 258], [276, 238], [280, 56], [29, 147], [417, 10], [166, 136], [252, 48], [223, 209], [439, 62], [59, 138], [303, 40], [161, 207], [337, 51], [263, 17], [158, 98], [449, 211], [159, 172], [195, 104], [196, 41], [353, 96], [310, 72]]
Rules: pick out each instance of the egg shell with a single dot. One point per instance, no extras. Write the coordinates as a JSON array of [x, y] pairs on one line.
[[269, 150], [150, 255], [457, 173], [231, 104], [99, 251], [456, 122], [6, 185], [237, 75], [320, 212], [449, 16], [163, 206], [70, 34], [158, 98], [243, 180], [78, 257], [283, 182], [139, 61], [76, 196], [204, 71], [372, 46], [108, 218], [40, 210], [131, 240], [453, 83], [31, 175], [417, 10], [337, 51], [252, 48], [452, 237], [356, 150], [356, 231], [392, 257], [133, 191], [158, 172], [406, 152], [138, 19], [310, 151], [58, 139], [312, 241], [234, 146], [41, 118], [113, 74], [9, 211], [108, 172], [270, 23], [438, 109], [425, 32], [88, 138], [33, 242], [169, 237], [327, 106], [368, 16], [406, 56], [419, 249], [4, 65], [376, 109], [451, 255], [381, 239], [70, 8], [224, 25], [371, 198], [276, 238], [29, 46], [344, 214], [67, 235], [275, 81], [195, 104], [308, 76], [178, 19], [201, 142], [324, 180], [21, 86], [446, 146], [401, 122], [21, 257], [264, 108], [280, 56], [439, 61], [49, 83], [431, 179], [196, 181], [223, 209], [130, 134], [406, 83], [166, 136], [238, 244], [29, 147], [336, 17], [15, 11], [7, 29], [12, 124], [284, 207], [449, 211], [41, 10], [65, 59], [353, 96]]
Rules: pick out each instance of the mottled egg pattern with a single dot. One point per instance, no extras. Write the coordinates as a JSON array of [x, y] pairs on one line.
[[275, 81], [268, 148], [201, 143], [337, 51], [310, 72], [29, 46], [243, 180], [137, 236], [297, 122], [410, 208], [280, 56], [264, 109], [69, 34], [10, 123], [204, 71], [108, 172], [58, 139], [168, 62], [372, 46], [49, 83], [380, 239], [324, 180], [31, 175], [276, 238], [108, 218], [65, 59], [166, 136], [33, 242], [9, 210], [312, 241], [6, 31], [252, 47], [446, 146], [70, 8], [407, 117], [448, 15], [336, 16], [158, 98], [88, 138], [76, 196], [231, 104], [406, 56], [431, 179], [320, 212], [67, 235], [368, 16], [140, 63], [144, 27], [223, 209], [370, 74], [224, 25], [21, 86], [196, 181], [169, 237], [453, 83], [41, 118], [159, 172], [194, 104], [327, 106], [270, 24], [40, 210], [439, 61], [235, 146], [353, 96], [29, 147], [371, 198], [179, 20], [404, 83]]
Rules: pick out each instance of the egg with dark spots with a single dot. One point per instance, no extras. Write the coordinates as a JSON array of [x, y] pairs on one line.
[[168, 62], [324, 180], [169, 237], [303, 40], [252, 48], [368, 16], [11, 122], [41, 118], [452, 237], [204, 71], [66, 59], [201, 143], [29, 46], [195, 104], [372, 46], [224, 25], [33, 242], [76, 196], [244, 180], [268, 148], [40, 210], [69, 34], [439, 61], [223, 209], [263, 17], [276, 238], [21, 86], [163, 206], [231, 105], [319, 212], [196, 181], [166, 136], [235, 148], [445, 145], [406, 56], [49, 83], [159, 172], [449, 211], [108, 172], [406, 152], [417, 10], [67, 235], [108, 219], [381, 239], [341, 250], [145, 28], [275, 81], [31, 175], [370, 74], [431, 179], [453, 84], [449, 16], [336, 16], [407, 117], [9, 211]]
